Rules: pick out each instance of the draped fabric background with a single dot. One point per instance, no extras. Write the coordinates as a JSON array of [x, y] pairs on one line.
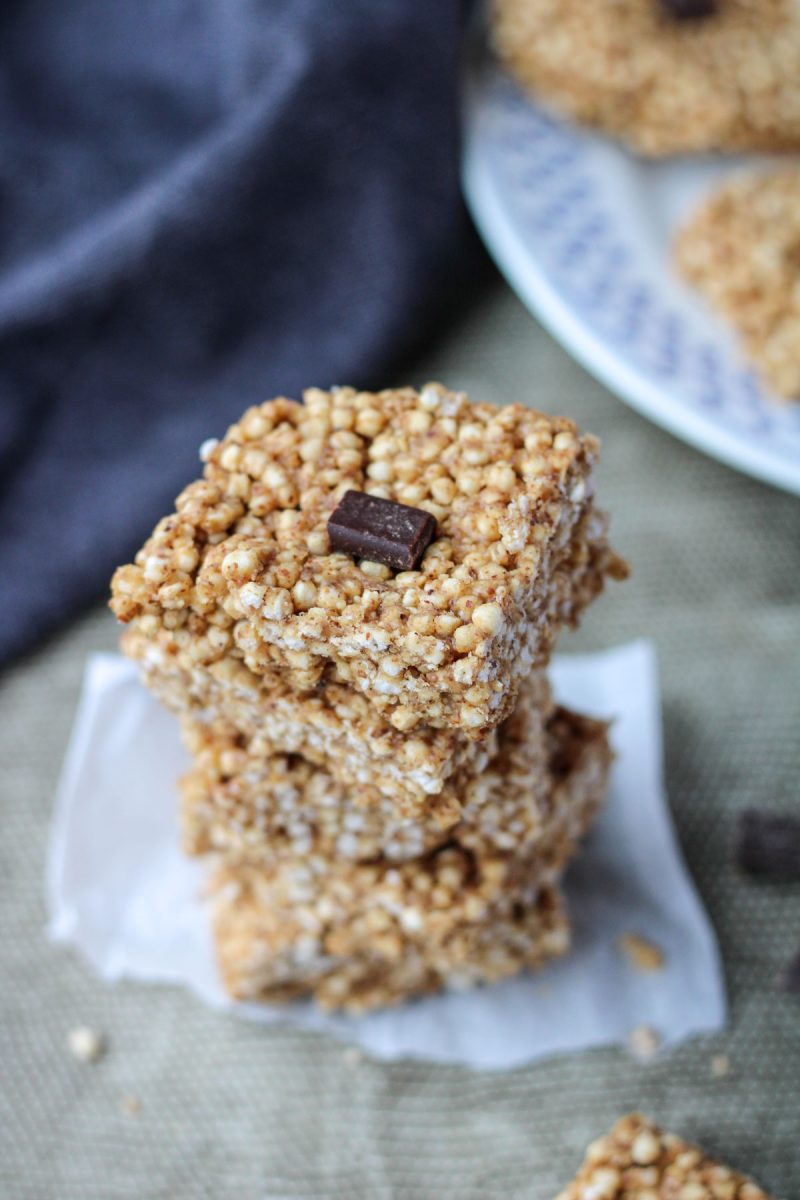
[[202, 203]]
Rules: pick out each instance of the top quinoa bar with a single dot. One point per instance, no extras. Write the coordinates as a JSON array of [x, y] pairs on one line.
[[244, 567]]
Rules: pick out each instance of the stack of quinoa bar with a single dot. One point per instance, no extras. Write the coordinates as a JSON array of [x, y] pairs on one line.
[[351, 613]]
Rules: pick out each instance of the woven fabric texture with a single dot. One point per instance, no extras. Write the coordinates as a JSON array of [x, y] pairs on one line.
[[230, 1109]]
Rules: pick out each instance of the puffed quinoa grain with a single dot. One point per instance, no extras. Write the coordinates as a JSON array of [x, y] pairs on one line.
[[85, 1044], [488, 618], [644, 1043]]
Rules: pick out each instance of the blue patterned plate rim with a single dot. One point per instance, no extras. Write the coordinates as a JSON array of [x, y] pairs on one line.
[[535, 189]]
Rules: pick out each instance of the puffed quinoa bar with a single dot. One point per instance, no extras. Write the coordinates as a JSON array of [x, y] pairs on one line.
[[237, 802], [637, 1161], [243, 565], [333, 726], [366, 966], [363, 935], [741, 249], [730, 81], [372, 960]]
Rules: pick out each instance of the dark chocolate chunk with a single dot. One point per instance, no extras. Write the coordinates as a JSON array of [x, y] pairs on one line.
[[381, 530], [688, 10], [768, 844], [790, 978]]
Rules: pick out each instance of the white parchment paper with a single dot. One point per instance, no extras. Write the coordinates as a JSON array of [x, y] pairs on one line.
[[120, 891]]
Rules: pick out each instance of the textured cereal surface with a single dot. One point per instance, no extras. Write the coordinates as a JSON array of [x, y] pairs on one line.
[[237, 802], [638, 1161], [332, 726], [440, 922], [741, 249], [364, 935], [730, 81], [243, 565], [242, 794]]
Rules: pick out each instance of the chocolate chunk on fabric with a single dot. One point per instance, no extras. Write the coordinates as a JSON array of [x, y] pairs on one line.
[[687, 10], [203, 204], [768, 844], [381, 530], [790, 978]]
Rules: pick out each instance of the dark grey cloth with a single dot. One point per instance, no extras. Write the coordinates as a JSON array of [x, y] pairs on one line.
[[202, 203]]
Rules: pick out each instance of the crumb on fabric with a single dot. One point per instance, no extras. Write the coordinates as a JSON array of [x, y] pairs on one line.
[[353, 1056], [644, 1043], [720, 1066], [85, 1044]]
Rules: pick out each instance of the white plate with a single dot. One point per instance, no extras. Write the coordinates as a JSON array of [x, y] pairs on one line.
[[582, 231]]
